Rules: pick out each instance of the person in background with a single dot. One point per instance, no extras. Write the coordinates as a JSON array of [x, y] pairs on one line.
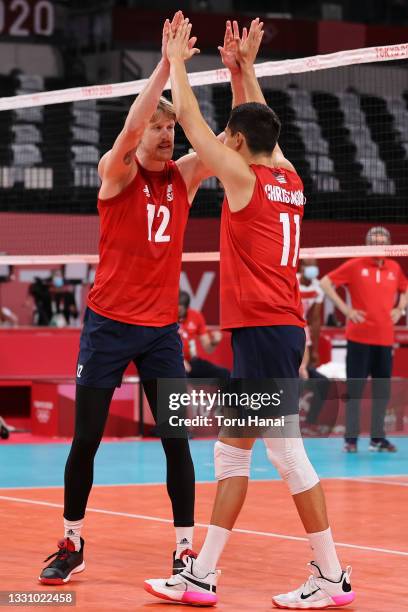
[[374, 284], [40, 292], [193, 330], [63, 304], [312, 297], [316, 383]]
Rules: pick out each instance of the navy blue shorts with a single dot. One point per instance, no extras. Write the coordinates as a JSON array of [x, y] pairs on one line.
[[267, 359], [268, 352], [107, 347]]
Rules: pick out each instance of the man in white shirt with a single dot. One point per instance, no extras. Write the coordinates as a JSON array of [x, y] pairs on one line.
[[312, 296]]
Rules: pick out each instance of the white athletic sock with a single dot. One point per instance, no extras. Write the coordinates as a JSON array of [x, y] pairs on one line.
[[72, 531], [214, 544], [184, 539], [324, 553]]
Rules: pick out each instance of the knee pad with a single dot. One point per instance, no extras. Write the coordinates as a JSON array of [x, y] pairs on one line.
[[231, 461], [289, 457]]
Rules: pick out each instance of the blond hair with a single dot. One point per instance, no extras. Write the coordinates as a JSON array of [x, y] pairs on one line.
[[166, 107]]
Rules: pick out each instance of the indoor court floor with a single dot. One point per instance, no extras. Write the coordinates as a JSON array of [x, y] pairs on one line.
[[129, 536]]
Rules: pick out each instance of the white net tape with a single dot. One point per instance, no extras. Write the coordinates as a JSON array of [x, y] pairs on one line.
[[394, 250], [265, 69], [209, 77]]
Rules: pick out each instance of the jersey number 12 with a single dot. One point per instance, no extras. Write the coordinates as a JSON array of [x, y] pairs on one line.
[[159, 236], [284, 218]]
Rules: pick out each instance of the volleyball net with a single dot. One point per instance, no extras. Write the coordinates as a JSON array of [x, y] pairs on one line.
[[344, 127]]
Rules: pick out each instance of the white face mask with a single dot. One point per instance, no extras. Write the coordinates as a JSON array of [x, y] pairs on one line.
[[311, 272], [58, 281]]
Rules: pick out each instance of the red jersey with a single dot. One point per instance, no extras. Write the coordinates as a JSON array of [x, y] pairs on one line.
[[191, 328], [259, 253], [140, 248], [373, 288]]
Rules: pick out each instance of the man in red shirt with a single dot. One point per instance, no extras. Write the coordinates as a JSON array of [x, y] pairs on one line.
[[260, 303], [373, 285], [193, 330], [143, 204]]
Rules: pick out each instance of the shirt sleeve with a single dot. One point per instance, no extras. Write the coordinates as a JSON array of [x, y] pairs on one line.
[[342, 275]]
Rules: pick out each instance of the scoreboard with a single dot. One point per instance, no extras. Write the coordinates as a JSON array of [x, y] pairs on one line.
[[27, 18]]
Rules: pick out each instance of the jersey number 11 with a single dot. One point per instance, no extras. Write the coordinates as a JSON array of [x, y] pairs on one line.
[[284, 218]]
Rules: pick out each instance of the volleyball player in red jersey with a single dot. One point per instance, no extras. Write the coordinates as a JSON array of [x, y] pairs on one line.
[[132, 312], [260, 303]]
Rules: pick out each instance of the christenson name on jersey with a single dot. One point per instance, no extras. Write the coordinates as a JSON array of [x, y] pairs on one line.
[[260, 251], [140, 248], [278, 194]]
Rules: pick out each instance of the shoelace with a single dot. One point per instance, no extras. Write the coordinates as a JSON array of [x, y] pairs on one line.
[[311, 581], [188, 567], [61, 554]]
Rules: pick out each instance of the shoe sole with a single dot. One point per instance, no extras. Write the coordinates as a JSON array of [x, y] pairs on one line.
[[189, 598], [343, 601], [56, 581]]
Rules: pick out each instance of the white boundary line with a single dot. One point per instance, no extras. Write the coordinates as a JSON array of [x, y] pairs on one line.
[[367, 479], [208, 77], [339, 252], [376, 480], [251, 532]]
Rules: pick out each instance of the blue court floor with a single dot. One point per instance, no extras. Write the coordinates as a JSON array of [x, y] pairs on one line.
[[139, 462]]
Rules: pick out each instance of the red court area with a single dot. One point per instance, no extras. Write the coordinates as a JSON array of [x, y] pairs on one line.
[[129, 538]]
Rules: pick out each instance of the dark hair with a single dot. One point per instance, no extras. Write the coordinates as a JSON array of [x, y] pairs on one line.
[[258, 123], [184, 299]]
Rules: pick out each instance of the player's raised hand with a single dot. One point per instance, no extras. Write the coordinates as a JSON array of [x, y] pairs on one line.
[[177, 20], [247, 46], [228, 51], [180, 45]]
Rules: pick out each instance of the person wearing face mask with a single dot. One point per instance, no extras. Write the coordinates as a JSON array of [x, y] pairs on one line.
[[373, 285], [58, 281], [63, 305], [39, 291], [312, 297]]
